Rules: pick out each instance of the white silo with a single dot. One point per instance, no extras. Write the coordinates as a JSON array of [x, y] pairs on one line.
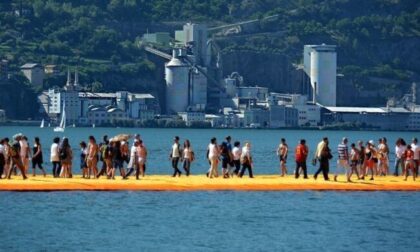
[[176, 76], [322, 73]]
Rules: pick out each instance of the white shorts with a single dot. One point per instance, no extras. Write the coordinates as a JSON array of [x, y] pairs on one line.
[[142, 160]]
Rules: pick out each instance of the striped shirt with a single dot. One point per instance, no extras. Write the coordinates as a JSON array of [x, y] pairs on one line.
[[343, 152]]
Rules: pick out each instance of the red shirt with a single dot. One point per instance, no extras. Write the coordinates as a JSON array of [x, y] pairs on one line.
[[301, 153]]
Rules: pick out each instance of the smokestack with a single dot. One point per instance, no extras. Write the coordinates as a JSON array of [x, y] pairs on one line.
[[76, 78], [314, 93], [68, 77]]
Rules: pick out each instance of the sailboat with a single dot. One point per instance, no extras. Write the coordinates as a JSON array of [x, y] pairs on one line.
[[42, 124], [62, 125]]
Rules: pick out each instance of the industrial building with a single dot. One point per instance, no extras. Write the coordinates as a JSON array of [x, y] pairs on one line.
[[388, 118], [186, 85], [320, 65], [85, 108]]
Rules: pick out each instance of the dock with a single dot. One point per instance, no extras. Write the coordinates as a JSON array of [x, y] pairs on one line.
[[202, 183]]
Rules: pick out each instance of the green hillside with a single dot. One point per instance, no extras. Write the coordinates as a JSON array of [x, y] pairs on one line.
[[375, 38]]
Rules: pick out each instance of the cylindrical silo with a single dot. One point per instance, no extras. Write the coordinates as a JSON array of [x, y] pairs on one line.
[[323, 74], [176, 76]]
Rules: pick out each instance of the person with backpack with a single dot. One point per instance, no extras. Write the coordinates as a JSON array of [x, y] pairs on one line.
[[116, 159], [188, 157], [323, 155], [301, 154], [66, 158], [14, 153], [104, 157]]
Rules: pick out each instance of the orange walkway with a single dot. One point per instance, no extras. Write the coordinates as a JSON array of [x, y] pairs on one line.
[[200, 182]]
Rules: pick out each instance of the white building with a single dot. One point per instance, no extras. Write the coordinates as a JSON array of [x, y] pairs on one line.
[[282, 116], [34, 73], [191, 116], [309, 114], [320, 64]]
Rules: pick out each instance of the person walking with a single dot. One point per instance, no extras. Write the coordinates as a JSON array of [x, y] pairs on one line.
[[7, 159], [225, 156], [175, 156], [142, 158], [415, 148], [2, 158], [66, 157], [104, 150], [282, 152], [409, 163], [362, 157], [188, 157], [16, 160], [400, 148], [323, 155], [354, 160], [371, 158], [92, 157], [117, 159], [343, 160], [133, 163], [236, 153], [25, 152], [55, 157], [383, 156], [246, 160], [37, 157], [301, 154], [83, 159], [213, 157]]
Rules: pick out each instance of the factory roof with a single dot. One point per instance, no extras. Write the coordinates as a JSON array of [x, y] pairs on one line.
[[113, 95], [29, 65], [355, 110]]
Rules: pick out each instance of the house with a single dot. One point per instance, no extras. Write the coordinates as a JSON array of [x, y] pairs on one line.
[[34, 73]]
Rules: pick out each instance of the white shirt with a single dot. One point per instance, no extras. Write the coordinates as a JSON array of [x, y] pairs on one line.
[[245, 151], [212, 151], [175, 150], [399, 150], [54, 153], [416, 150], [236, 152]]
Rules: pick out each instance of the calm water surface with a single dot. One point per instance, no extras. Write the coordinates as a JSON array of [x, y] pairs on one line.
[[210, 221]]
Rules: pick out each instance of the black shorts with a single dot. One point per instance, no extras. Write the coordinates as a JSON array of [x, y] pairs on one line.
[[284, 159]]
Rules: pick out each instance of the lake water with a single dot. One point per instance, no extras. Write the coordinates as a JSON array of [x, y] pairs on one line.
[[209, 221], [159, 142]]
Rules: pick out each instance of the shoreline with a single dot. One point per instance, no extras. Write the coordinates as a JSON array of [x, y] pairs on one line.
[[320, 128], [202, 183]]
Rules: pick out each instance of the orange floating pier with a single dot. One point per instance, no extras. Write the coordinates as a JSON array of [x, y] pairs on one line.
[[202, 183]]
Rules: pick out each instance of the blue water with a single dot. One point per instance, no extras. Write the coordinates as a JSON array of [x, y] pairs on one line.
[[159, 141], [210, 221]]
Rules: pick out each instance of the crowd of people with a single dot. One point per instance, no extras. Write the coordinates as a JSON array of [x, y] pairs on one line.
[[115, 154]]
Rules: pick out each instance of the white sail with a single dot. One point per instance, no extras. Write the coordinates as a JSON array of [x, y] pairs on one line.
[[62, 125], [42, 123]]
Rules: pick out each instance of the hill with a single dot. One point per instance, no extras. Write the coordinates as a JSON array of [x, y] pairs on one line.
[[377, 38]]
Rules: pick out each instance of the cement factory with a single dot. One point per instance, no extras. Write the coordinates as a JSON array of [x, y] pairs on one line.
[[196, 91]]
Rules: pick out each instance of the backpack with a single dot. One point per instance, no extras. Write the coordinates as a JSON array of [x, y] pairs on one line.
[[63, 153], [13, 150], [192, 156], [104, 151]]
